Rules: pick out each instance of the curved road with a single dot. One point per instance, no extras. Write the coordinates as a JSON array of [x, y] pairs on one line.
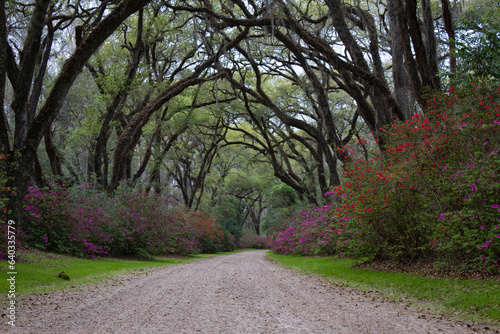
[[237, 293]]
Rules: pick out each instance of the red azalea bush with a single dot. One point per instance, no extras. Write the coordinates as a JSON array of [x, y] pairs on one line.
[[434, 193], [84, 222], [210, 235]]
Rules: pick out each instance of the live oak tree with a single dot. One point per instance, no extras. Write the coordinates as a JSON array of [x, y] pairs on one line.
[[191, 157], [114, 111], [296, 80], [21, 70]]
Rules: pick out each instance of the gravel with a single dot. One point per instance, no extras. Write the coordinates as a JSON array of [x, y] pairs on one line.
[[236, 293]]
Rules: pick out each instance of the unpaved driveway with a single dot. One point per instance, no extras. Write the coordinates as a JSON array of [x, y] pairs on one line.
[[237, 293]]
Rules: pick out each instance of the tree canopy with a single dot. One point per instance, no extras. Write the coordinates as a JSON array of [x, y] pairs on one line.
[[230, 106]]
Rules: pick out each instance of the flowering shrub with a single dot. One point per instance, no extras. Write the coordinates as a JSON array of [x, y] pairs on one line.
[[6, 193], [315, 232], [84, 222], [254, 241], [433, 193], [210, 236]]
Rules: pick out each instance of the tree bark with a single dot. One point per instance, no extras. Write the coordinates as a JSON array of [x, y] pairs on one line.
[[267, 146], [147, 154], [4, 133], [202, 174], [398, 67], [323, 106], [431, 48], [43, 63], [418, 44], [450, 30], [155, 170], [384, 107], [156, 181], [126, 139], [337, 12], [38, 173], [384, 112], [23, 83], [117, 102], [412, 71], [54, 157]]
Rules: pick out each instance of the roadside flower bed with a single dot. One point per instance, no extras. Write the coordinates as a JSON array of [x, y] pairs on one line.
[[84, 222]]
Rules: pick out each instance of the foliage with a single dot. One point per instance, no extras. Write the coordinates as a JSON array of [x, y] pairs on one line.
[[254, 241], [283, 202], [434, 193], [212, 236], [84, 222], [478, 41], [235, 186], [277, 98], [310, 232], [228, 214]]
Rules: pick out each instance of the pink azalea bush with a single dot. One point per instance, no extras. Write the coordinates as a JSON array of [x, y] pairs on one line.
[[6, 193], [86, 222], [433, 193]]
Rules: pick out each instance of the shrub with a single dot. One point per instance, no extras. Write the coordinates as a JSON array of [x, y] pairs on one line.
[[431, 192], [210, 235], [84, 222], [434, 193], [315, 231], [254, 241], [6, 192]]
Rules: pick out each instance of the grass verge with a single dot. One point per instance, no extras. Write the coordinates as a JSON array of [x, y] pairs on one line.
[[38, 272], [466, 299]]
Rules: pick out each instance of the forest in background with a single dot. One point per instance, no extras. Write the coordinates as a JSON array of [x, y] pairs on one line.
[[248, 112]]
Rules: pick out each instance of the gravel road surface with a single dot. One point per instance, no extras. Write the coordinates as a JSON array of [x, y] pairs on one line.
[[236, 293]]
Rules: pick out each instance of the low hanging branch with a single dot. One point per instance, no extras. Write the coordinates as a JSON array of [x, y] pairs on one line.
[[125, 143]]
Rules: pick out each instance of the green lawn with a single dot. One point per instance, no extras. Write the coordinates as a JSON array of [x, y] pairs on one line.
[[39, 271], [469, 299]]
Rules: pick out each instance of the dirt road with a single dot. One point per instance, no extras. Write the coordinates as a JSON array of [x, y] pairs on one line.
[[237, 293]]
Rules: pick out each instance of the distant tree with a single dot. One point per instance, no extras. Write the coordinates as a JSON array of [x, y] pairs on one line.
[[283, 203], [478, 41]]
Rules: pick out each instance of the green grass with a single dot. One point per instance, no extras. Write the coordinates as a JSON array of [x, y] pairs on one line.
[[468, 299], [38, 272]]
